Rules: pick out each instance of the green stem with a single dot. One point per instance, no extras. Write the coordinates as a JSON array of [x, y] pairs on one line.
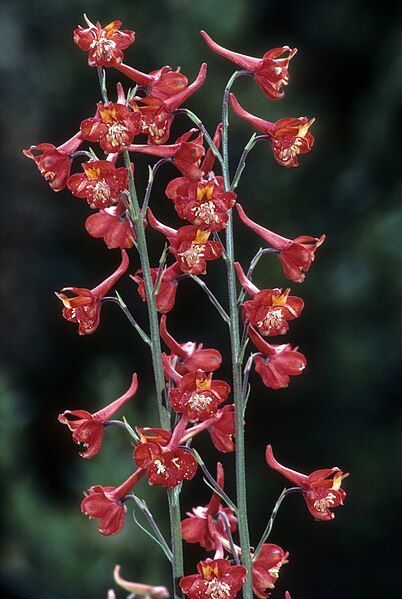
[[156, 350], [173, 497], [102, 84], [271, 520], [236, 362], [177, 542], [194, 118]]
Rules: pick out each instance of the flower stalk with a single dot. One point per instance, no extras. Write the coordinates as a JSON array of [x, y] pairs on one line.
[[241, 486], [156, 351]]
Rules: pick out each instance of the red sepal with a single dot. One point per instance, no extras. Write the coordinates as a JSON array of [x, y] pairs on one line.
[[88, 429], [321, 489], [84, 308]]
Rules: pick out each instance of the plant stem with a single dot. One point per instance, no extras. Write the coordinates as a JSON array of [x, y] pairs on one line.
[[252, 266], [138, 220], [236, 363], [211, 297], [226, 524], [102, 84], [145, 510], [193, 117], [242, 162], [119, 301], [271, 520], [212, 482], [177, 543], [173, 498], [151, 178]]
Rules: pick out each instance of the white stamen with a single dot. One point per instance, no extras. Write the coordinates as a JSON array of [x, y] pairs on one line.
[[321, 505], [272, 320], [117, 135], [192, 255], [218, 589], [199, 401]]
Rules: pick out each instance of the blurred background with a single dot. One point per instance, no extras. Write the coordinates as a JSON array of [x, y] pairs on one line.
[[343, 411]]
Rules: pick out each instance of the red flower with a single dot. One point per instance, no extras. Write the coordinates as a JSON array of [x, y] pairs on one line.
[[276, 363], [221, 427], [295, 255], [189, 245], [266, 569], [88, 429], [114, 127], [162, 83], [321, 489], [113, 225], [154, 435], [209, 160], [85, 307], [197, 396], [204, 203], [101, 184], [104, 45], [270, 71], [157, 114], [107, 504], [289, 137], [54, 164], [222, 430], [196, 528], [186, 155], [166, 294], [270, 309], [166, 467], [216, 578], [189, 357]]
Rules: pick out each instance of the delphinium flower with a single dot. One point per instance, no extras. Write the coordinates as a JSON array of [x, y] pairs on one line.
[[321, 489]]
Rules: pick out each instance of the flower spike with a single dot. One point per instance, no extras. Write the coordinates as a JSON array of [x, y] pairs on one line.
[[321, 489], [295, 255], [85, 307], [89, 429], [270, 71]]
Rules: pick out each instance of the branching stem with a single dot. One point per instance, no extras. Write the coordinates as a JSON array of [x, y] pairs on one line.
[[271, 520]]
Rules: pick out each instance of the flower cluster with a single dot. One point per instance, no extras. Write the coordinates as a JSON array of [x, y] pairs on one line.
[[190, 397]]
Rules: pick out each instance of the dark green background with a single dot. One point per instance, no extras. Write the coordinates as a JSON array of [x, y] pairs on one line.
[[343, 410]]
